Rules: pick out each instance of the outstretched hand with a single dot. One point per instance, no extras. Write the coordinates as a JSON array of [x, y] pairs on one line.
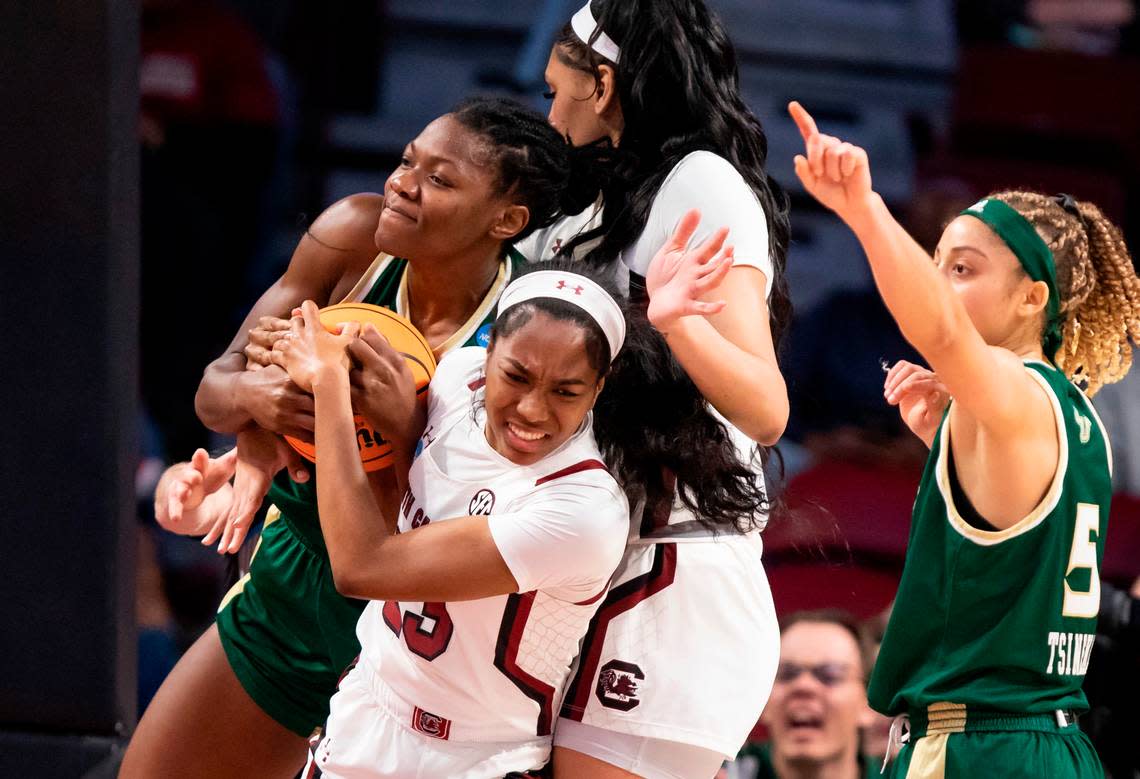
[[259, 455], [678, 278], [184, 501], [834, 172]]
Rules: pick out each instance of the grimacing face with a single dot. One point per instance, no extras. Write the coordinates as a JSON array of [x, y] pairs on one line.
[[441, 200], [812, 721], [540, 386]]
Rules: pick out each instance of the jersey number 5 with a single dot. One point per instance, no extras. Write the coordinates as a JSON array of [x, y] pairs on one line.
[[428, 643], [1083, 555]]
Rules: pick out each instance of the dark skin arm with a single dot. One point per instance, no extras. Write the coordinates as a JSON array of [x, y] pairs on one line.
[[329, 259]]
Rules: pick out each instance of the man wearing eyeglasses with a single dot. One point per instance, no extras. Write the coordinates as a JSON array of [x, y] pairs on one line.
[[818, 705]]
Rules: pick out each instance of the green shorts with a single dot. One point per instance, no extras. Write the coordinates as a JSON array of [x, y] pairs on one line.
[[286, 631], [993, 744]]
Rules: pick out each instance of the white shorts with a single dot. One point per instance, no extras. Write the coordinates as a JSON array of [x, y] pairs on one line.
[[366, 736], [649, 758], [684, 647]]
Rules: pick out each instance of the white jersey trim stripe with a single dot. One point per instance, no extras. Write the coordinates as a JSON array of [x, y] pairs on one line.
[[1033, 518]]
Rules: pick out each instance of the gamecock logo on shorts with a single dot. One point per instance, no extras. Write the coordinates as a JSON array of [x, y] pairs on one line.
[[617, 685], [430, 724], [482, 503]]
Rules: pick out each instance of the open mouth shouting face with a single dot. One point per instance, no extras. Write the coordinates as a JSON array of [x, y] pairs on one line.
[[819, 701]]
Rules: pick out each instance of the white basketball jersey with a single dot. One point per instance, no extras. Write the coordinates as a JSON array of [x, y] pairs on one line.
[[494, 669]]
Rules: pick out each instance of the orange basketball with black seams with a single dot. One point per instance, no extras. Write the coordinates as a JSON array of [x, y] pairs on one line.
[[375, 452]]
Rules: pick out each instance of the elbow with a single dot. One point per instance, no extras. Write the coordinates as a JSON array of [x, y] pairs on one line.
[[352, 579], [202, 408], [768, 431], [765, 429], [769, 436], [767, 425], [210, 412], [348, 581]]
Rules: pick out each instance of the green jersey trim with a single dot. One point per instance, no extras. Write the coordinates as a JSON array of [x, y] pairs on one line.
[[1038, 514], [467, 330], [369, 279]]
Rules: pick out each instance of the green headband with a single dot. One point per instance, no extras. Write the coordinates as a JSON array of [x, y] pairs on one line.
[[1022, 239]]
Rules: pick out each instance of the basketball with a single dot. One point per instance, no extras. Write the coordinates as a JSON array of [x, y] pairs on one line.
[[375, 452]]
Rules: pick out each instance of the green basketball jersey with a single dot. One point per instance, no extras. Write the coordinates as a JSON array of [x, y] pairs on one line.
[[1002, 620], [385, 284]]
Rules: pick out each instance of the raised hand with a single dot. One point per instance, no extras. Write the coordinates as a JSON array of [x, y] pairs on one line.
[[309, 347], [188, 497], [834, 172], [921, 397], [383, 388], [677, 278]]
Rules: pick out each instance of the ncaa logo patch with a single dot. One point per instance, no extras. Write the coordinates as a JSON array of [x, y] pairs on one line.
[[430, 724], [483, 336], [481, 503], [617, 685]]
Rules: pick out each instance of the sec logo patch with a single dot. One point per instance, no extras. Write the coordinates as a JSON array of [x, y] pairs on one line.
[[481, 503]]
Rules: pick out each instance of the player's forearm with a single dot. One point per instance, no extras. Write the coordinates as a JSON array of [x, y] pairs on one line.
[[928, 313], [747, 389], [404, 448], [354, 528], [219, 400]]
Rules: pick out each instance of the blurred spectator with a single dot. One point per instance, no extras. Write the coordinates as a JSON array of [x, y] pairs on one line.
[[818, 704], [1088, 27], [208, 132], [1097, 27]]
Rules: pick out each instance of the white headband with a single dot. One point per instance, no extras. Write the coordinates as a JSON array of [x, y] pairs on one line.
[[576, 290], [584, 25]]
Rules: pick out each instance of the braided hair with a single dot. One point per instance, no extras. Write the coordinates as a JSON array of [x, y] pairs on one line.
[[534, 161], [679, 89], [1097, 284], [650, 421]]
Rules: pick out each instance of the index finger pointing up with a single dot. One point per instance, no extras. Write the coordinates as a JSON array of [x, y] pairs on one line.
[[803, 120]]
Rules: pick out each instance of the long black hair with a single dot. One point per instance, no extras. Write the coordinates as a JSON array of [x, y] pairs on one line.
[[679, 88], [534, 161], [650, 421]]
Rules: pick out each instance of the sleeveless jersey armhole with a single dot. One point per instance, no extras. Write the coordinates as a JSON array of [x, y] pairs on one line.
[[1035, 517]]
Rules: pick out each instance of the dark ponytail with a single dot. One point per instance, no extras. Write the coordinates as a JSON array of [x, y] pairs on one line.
[[534, 162], [679, 89], [650, 421]]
